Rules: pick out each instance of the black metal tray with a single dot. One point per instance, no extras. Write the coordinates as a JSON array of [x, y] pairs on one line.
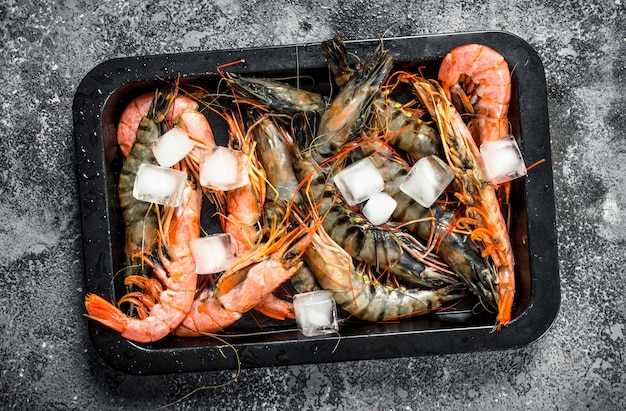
[[105, 91]]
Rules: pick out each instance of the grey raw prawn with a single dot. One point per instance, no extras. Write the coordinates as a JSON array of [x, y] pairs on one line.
[[383, 248], [363, 297], [140, 217]]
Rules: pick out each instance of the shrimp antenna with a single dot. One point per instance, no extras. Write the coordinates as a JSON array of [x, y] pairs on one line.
[[297, 61], [232, 63]]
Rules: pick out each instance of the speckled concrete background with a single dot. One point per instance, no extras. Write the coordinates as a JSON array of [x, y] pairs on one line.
[[46, 358]]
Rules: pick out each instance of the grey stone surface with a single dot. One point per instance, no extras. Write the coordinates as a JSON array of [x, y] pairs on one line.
[[46, 358]]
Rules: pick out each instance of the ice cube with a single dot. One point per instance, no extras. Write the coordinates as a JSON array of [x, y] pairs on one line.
[[503, 159], [379, 208], [316, 313], [223, 169], [161, 185], [359, 181], [172, 147], [213, 253], [427, 179]]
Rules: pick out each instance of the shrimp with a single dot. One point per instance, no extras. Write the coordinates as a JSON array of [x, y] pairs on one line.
[[403, 128], [265, 276], [346, 116], [431, 224], [400, 124], [275, 154], [244, 203], [208, 314], [363, 297], [197, 127], [390, 250], [277, 96], [479, 78], [177, 274], [139, 217], [137, 109], [247, 283], [274, 149], [482, 207]]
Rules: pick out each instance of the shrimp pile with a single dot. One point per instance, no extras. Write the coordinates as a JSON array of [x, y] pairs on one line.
[[292, 229]]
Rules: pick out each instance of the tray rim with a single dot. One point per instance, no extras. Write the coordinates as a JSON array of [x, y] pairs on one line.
[[104, 79]]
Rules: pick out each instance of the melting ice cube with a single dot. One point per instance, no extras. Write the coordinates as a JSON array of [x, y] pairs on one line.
[[213, 253], [359, 181], [379, 208], [426, 180], [161, 185], [503, 159], [316, 312], [172, 147], [223, 169]]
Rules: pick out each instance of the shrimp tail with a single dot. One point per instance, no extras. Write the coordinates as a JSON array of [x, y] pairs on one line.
[[104, 312], [276, 308], [337, 59]]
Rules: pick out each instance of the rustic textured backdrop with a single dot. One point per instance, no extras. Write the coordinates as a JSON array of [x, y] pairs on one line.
[[46, 358]]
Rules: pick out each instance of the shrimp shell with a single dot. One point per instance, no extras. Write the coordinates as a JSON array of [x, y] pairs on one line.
[[362, 297], [479, 77], [382, 248], [139, 216], [137, 109], [456, 249], [178, 275], [483, 209], [249, 282], [347, 115]]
